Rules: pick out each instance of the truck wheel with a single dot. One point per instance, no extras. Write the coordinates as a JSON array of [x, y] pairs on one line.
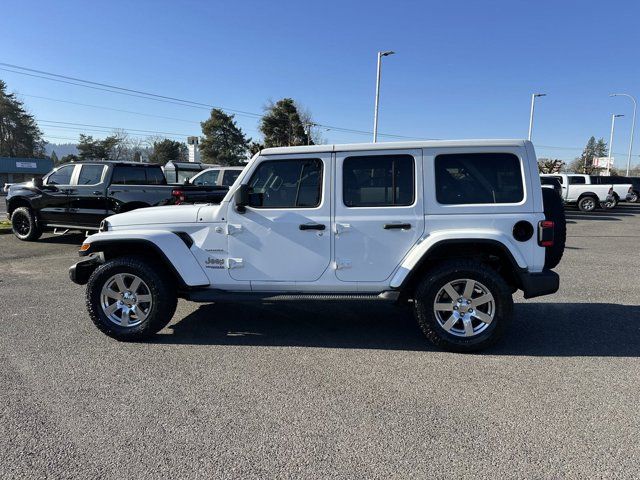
[[24, 226], [129, 299], [463, 306], [633, 198], [554, 211], [587, 204], [609, 204]]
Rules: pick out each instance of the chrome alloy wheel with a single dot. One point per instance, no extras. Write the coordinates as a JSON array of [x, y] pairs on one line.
[[464, 307], [589, 204], [125, 300]]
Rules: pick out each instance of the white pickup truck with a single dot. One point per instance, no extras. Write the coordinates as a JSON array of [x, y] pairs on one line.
[[451, 228], [587, 197]]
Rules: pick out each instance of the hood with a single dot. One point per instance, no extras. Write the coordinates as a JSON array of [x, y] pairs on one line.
[[156, 215]]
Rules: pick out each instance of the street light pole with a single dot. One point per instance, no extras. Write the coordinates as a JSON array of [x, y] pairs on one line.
[[633, 125], [533, 106], [613, 126], [375, 113]]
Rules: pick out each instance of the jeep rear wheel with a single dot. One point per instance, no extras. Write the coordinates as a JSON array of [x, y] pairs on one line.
[[24, 226], [463, 306], [129, 299]]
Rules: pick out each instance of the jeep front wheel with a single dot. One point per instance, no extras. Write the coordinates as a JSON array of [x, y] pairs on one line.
[[129, 299], [463, 306]]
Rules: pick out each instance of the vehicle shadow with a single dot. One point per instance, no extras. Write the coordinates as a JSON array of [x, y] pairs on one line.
[[66, 239], [539, 329], [618, 213]]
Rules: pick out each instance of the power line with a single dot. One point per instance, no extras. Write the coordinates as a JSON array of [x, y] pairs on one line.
[[161, 98]]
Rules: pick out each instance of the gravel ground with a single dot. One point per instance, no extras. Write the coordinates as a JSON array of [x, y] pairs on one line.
[[324, 390]]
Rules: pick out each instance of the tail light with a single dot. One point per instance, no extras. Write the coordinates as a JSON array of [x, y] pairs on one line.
[[178, 195], [546, 233]]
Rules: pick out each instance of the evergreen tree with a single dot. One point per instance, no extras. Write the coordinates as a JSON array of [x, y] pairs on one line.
[[166, 150], [19, 133], [54, 158], [283, 125], [223, 142]]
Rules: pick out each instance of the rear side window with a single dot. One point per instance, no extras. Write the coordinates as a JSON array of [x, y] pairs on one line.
[[90, 174], [287, 184], [577, 181], [378, 181], [229, 177], [478, 178], [155, 176], [132, 175]]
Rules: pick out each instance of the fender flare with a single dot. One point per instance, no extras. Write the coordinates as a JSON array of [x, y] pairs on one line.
[[171, 247], [437, 239]]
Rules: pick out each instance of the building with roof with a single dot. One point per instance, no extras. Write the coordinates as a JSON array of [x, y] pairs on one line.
[[15, 170]]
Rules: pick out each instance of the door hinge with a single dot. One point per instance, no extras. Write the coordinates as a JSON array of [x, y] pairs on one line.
[[342, 263], [341, 228], [235, 263], [232, 228]]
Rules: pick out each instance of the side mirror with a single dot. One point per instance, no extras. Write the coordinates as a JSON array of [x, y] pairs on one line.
[[37, 182], [241, 197]]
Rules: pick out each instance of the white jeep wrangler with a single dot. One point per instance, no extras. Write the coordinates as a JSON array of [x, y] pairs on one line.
[[453, 227]]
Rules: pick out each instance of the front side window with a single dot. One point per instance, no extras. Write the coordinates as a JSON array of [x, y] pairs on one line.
[[378, 181], [478, 178], [90, 174], [62, 176], [229, 177], [577, 181], [207, 178], [287, 184]]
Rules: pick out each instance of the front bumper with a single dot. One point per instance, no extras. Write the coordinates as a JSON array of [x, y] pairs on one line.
[[81, 271], [539, 283]]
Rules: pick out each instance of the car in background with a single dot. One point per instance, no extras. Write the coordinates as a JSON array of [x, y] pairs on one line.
[[222, 176], [79, 195], [552, 184]]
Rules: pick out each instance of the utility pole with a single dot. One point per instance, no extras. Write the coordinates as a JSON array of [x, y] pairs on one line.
[[533, 106], [613, 126], [375, 113], [633, 125]]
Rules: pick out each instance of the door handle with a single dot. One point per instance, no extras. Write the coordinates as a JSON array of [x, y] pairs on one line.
[[397, 226], [97, 192], [312, 226]]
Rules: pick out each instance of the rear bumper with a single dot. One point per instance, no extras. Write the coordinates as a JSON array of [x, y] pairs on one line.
[[82, 270], [539, 284]]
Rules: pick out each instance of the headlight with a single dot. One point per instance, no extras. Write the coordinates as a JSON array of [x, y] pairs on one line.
[[104, 226]]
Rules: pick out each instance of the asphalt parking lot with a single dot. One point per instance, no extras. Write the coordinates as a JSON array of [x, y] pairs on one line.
[[324, 391]]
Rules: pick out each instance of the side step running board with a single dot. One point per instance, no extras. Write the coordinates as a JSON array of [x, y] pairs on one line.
[[213, 295], [56, 232]]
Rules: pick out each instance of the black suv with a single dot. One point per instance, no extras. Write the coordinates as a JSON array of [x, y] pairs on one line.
[[80, 195]]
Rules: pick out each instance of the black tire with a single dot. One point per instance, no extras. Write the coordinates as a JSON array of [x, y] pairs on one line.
[[554, 211], [161, 288], [434, 282], [634, 197], [24, 225], [609, 204], [587, 204]]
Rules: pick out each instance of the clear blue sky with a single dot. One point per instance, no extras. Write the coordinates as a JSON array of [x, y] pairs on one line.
[[463, 69]]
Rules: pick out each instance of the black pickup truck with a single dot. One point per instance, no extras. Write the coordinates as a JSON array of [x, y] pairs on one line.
[[79, 195]]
